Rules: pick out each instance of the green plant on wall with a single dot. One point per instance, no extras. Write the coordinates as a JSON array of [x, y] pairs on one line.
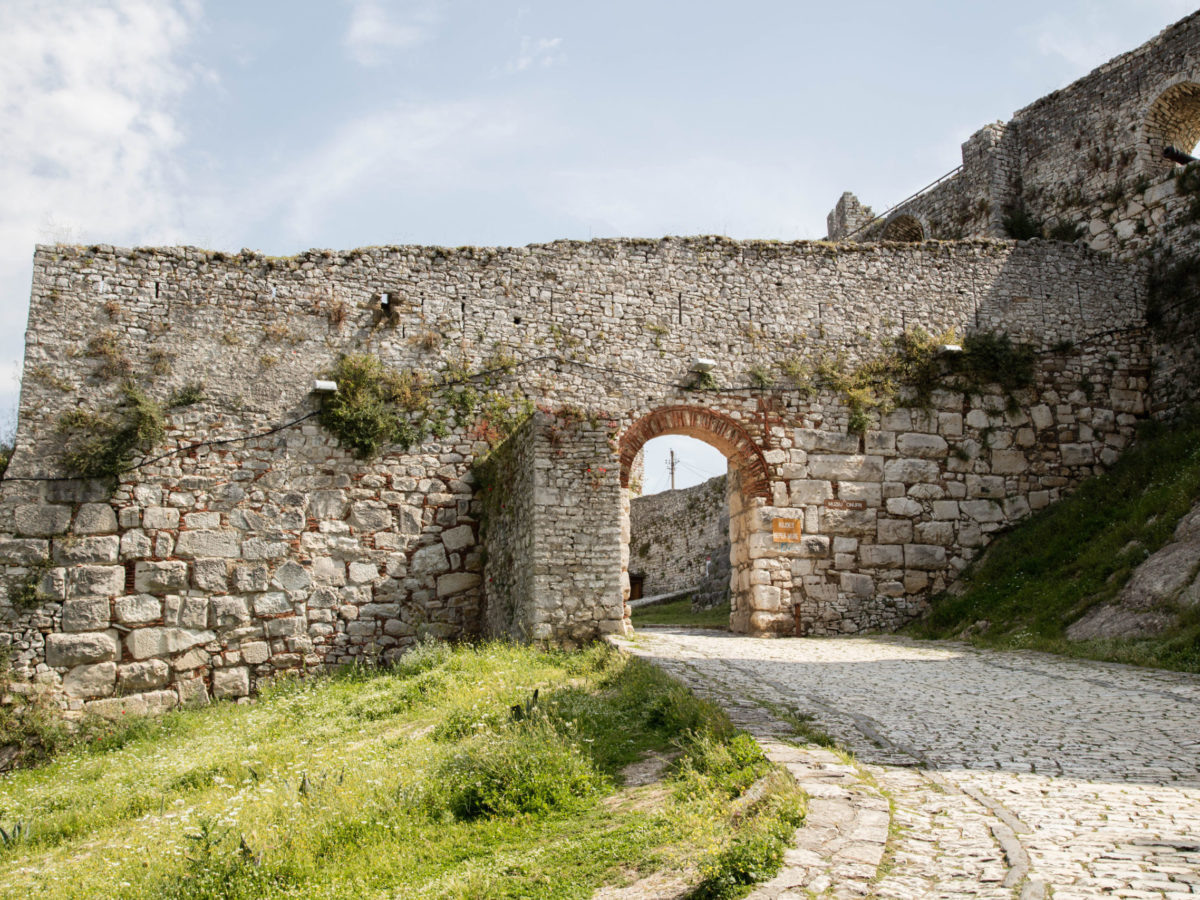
[[96, 445]]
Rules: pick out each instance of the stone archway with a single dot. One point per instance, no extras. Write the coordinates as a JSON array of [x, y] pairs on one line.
[[1173, 120], [748, 489]]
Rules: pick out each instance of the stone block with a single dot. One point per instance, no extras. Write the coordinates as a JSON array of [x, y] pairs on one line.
[[982, 510], [22, 552], [922, 446], [845, 468], [1041, 416], [157, 518], [95, 518], [160, 577], [41, 519], [223, 544], [140, 609], [430, 560], [90, 681], [140, 676], [284, 627], [275, 603], [945, 510], [229, 612], [456, 583], [881, 556], [228, 683], [935, 533], [76, 550], [926, 557], [856, 585], [370, 515], [96, 581], [64, 650], [257, 548], [1008, 462], [256, 652], [145, 643], [328, 504], [835, 442], [813, 546], [894, 531], [804, 493], [186, 612], [363, 572], [848, 521], [252, 578], [1078, 455], [210, 575], [86, 615], [911, 471], [904, 506], [291, 576], [135, 544], [458, 538]]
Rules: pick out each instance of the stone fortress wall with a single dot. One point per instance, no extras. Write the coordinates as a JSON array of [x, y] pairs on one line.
[[679, 540], [249, 542]]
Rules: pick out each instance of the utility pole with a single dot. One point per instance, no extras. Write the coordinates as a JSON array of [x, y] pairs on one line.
[[671, 465]]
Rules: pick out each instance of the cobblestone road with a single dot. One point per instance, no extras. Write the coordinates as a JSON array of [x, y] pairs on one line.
[[1007, 774]]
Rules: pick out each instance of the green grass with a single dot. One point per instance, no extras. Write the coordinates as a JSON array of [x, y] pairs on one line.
[[1049, 570], [419, 781], [679, 612]]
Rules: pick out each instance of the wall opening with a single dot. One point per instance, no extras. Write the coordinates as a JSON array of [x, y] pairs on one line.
[[679, 524], [903, 228], [735, 499], [1173, 122]]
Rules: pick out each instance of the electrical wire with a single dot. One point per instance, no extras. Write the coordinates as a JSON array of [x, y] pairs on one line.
[[475, 378]]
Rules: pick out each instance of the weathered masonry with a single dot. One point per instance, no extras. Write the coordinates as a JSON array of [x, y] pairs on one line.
[[249, 541]]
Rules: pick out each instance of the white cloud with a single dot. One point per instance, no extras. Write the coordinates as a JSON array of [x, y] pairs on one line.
[[90, 93], [539, 53], [376, 30], [410, 147]]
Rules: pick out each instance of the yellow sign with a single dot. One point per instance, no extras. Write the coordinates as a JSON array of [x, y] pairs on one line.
[[785, 531]]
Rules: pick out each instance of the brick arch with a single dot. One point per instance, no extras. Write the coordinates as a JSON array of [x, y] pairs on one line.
[[711, 427]]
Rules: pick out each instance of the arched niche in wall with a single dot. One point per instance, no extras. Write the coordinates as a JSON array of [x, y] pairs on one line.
[[1173, 121], [903, 228]]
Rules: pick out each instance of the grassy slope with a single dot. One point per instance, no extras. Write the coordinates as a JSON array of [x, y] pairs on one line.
[[415, 782], [1050, 569], [679, 612]]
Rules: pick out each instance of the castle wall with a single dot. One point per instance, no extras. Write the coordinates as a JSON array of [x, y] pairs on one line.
[[250, 546], [679, 540]]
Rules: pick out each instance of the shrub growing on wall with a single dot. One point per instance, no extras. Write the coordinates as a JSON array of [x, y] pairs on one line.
[[365, 411], [104, 446]]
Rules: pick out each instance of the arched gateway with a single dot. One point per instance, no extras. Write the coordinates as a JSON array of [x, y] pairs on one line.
[[748, 490]]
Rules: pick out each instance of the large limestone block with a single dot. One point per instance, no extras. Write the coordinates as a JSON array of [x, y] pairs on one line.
[[1078, 454], [922, 446], [145, 643], [292, 576], [22, 552], [158, 518], [75, 550], [95, 518], [924, 557], [845, 467], [228, 683], [42, 519], [328, 504], [230, 612], [456, 583], [96, 581], [458, 538], [139, 609], [370, 515], [222, 544], [160, 577], [80, 649], [911, 471], [430, 560], [146, 675], [90, 681], [92, 614]]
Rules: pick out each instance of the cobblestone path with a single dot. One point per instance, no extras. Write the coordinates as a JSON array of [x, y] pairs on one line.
[[974, 773]]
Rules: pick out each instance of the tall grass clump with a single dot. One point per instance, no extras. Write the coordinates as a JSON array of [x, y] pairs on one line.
[[1049, 570]]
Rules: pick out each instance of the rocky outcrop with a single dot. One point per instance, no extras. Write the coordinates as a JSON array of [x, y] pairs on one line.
[[1167, 583]]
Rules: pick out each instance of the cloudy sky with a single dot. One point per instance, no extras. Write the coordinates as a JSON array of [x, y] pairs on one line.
[[281, 126]]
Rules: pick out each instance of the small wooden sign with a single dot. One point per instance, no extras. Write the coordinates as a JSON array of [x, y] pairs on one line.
[[834, 503], [786, 531]]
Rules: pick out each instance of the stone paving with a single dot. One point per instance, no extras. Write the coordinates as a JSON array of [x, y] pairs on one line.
[[1014, 775]]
